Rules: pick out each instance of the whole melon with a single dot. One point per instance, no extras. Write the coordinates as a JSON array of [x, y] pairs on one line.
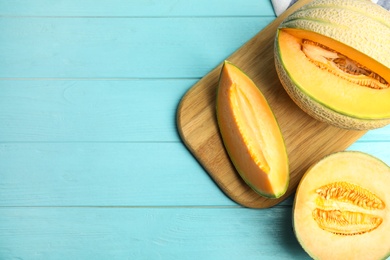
[[333, 59]]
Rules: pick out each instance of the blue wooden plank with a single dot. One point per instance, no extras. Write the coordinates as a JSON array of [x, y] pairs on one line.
[[377, 135], [147, 233], [136, 8], [104, 174], [120, 48], [114, 174], [100, 110]]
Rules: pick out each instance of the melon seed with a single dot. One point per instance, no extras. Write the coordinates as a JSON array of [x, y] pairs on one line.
[[342, 209], [342, 66], [350, 193], [345, 222]]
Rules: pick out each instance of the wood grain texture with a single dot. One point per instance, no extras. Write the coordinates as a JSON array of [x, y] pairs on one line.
[[85, 47], [307, 140], [147, 233], [90, 110], [104, 174], [144, 8]]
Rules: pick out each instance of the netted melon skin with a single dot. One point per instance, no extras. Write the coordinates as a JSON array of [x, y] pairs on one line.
[[363, 25]]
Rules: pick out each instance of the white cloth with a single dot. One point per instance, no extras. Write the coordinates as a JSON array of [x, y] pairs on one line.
[[281, 5]]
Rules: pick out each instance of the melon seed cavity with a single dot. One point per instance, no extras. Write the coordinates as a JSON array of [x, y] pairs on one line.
[[342, 66], [250, 127], [347, 209]]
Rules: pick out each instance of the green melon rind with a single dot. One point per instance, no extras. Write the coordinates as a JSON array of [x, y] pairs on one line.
[[262, 193], [335, 19]]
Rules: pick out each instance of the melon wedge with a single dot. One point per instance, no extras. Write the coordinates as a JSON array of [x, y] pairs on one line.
[[251, 134]]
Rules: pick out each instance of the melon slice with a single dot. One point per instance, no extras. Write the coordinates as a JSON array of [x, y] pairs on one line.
[[333, 59], [251, 134], [342, 208]]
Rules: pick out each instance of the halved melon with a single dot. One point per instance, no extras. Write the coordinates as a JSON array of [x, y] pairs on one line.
[[333, 59], [251, 134], [342, 208]]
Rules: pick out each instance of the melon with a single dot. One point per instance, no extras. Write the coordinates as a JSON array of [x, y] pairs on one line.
[[342, 208], [251, 134], [333, 59]]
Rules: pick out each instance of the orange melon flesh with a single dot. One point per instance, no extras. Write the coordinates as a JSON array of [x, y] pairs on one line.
[[251, 134], [346, 240], [328, 89]]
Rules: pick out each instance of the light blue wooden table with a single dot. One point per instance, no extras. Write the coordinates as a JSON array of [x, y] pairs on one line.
[[91, 163]]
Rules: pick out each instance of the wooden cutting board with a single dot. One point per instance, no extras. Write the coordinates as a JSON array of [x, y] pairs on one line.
[[307, 140]]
